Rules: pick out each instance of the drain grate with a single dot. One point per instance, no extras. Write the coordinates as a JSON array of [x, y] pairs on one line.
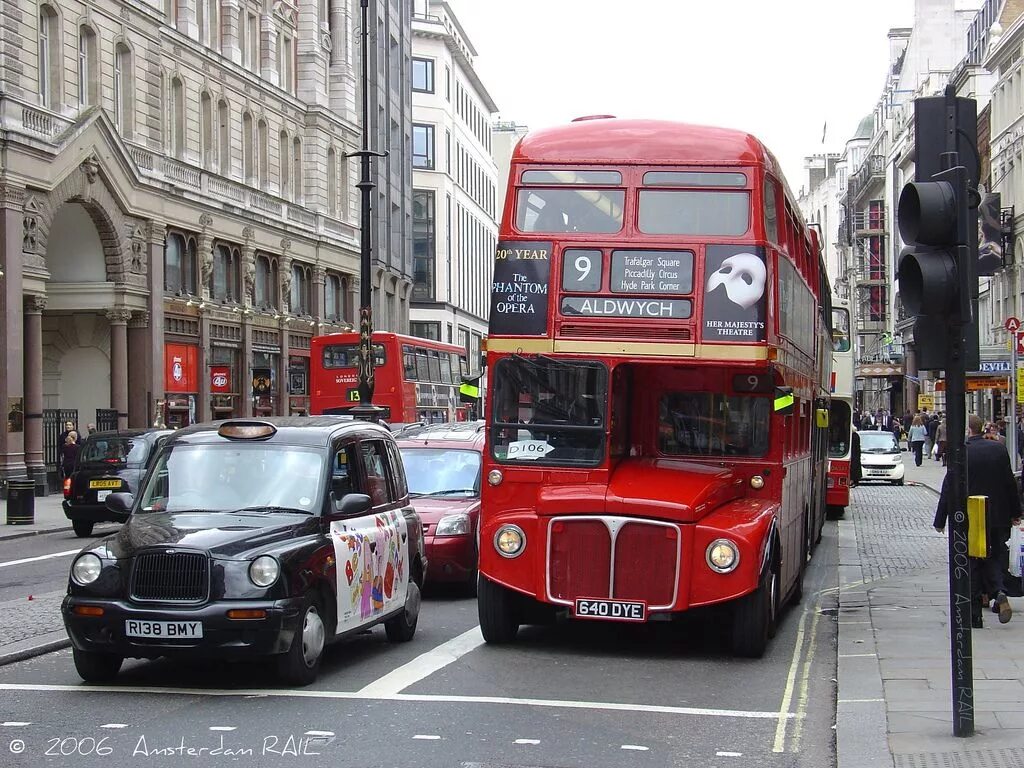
[[981, 758]]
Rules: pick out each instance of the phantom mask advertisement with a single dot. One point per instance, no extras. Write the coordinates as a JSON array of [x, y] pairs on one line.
[[735, 293]]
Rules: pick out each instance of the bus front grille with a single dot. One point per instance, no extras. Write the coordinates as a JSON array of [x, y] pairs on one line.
[[579, 559]]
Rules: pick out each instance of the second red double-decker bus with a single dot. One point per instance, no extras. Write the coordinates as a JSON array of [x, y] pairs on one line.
[[416, 379], [657, 367], [840, 431]]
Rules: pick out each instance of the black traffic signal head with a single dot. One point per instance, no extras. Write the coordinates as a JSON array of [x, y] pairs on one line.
[[927, 213]]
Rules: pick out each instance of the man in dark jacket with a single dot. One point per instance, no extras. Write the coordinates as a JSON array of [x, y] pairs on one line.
[[988, 474]]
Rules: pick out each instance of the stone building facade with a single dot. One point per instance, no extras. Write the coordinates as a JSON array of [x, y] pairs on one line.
[[177, 212]]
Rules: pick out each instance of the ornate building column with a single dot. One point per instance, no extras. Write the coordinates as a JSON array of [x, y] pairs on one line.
[[12, 354], [34, 306], [139, 362], [154, 336], [119, 364], [319, 281]]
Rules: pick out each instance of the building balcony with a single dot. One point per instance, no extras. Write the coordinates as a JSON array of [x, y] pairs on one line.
[[870, 173], [868, 223]]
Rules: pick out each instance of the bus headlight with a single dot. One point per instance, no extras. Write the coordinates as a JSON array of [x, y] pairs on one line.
[[494, 477], [510, 541], [757, 482], [722, 556]]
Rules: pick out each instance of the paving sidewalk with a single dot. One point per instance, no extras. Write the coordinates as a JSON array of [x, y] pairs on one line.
[[49, 518], [894, 696]]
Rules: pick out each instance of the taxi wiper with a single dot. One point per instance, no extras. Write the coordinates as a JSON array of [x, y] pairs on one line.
[[442, 493], [270, 509]]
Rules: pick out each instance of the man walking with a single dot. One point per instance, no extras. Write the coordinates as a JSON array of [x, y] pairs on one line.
[[988, 474]]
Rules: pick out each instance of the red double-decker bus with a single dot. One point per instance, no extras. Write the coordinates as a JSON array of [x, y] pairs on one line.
[[658, 369], [415, 379]]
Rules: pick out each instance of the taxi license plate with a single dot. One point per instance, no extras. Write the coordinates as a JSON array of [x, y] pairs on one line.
[[104, 483], [173, 630], [610, 610]]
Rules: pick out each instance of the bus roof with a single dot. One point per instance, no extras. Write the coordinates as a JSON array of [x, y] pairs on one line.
[[615, 140]]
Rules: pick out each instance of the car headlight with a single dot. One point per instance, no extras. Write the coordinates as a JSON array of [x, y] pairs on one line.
[[264, 570], [86, 569], [510, 541], [453, 525], [722, 556]]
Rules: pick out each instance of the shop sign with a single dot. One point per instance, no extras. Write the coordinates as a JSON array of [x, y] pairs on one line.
[[180, 364], [220, 378], [262, 381], [926, 401]]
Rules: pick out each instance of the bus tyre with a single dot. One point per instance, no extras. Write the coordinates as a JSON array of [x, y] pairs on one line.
[[753, 621], [96, 667], [496, 608], [301, 663], [401, 628]]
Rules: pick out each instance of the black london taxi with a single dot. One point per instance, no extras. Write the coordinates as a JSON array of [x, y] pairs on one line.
[[252, 538], [108, 462]]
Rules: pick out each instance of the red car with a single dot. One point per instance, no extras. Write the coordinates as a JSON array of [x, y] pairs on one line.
[[442, 464]]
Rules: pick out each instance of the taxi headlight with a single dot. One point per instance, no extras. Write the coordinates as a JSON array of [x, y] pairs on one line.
[[510, 541], [453, 525], [494, 477], [264, 570], [722, 556], [86, 569]]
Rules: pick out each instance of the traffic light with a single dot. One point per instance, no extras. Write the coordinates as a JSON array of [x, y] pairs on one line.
[[938, 222]]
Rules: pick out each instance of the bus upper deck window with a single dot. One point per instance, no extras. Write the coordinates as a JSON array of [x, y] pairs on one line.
[[686, 212], [595, 211]]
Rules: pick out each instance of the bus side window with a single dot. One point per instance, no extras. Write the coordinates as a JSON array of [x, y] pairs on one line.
[[409, 362]]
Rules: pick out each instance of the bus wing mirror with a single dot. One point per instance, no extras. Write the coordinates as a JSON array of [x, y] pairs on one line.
[[784, 401], [821, 418]]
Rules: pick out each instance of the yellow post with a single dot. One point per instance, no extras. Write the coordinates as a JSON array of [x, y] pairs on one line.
[[977, 545]]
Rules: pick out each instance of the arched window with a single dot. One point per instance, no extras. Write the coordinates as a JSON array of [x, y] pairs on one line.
[[332, 183], [300, 304], [177, 118], [206, 129], [179, 264], [334, 299], [263, 159], [297, 190], [223, 137], [88, 67], [283, 161], [124, 90], [202, 21], [49, 53], [247, 154], [225, 273], [266, 282]]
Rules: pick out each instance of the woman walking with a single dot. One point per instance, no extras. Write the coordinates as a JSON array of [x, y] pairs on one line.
[[69, 453], [916, 438]]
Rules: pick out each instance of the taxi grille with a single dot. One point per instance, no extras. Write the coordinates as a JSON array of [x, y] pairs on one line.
[[179, 577]]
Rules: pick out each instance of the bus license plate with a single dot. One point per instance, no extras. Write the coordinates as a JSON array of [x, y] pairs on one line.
[[173, 630], [610, 610]]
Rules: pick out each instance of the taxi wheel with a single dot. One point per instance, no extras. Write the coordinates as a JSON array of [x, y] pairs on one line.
[[82, 528], [499, 621], [300, 665], [96, 667], [402, 627]]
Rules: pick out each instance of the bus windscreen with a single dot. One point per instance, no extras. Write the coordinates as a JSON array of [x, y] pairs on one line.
[[713, 424]]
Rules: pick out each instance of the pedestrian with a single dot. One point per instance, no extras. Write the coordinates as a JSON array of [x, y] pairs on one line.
[[69, 454], [940, 441], [867, 421], [988, 474], [856, 418], [69, 427], [932, 426], [90, 429], [855, 468], [916, 438], [897, 430]]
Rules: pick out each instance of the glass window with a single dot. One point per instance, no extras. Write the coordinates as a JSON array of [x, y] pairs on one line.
[[114, 450], [694, 179], [261, 287], [713, 424], [422, 146], [423, 253], [376, 473], [771, 216], [434, 362], [409, 363], [232, 476], [569, 210], [422, 366], [839, 429], [840, 330], [672, 212], [446, 368], [451, 472], [878, 442], [570, 176], [549, 412], [423, 75], [425, 330], [347, 355], [174, 254], [223, 274]]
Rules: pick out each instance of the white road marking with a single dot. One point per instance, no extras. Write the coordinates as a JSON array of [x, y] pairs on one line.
[[427, 737], [635, 747], [318, 733], [40, 557], [859, 701], [856, 655], [424, 665], [805, 679], [787, 694], [424, 698], [728, 754], [527, 741], [14, 724], [115, 725], [222, 728]]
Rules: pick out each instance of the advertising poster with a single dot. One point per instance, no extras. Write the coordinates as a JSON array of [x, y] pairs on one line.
[[735, 293], [519, 290]]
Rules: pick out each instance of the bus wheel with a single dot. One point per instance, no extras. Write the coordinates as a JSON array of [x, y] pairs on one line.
[[496, 608], [753, 620]]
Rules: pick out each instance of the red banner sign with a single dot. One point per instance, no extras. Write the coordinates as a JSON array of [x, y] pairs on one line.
[[220, 378], [180, 364]]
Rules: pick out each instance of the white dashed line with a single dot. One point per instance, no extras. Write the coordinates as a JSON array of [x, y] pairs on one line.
[[115, 725], [14, 724], [527, 741], [728, 754], [222, 728], [635, 747], [427, 737], [40, 557], [318, 733]]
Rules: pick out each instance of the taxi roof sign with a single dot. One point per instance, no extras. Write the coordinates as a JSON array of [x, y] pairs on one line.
[[246, 430]]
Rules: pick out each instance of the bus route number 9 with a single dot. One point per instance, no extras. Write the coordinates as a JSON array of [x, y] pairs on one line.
[[581, 270]]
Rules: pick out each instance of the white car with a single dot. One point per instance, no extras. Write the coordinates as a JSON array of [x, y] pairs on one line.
[[881, 457]]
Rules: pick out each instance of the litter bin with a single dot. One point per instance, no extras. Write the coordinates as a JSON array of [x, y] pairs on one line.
[[21, 502]]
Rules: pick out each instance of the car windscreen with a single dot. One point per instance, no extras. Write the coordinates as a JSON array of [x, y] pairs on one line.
[[235, 476], [878, 442], [114, 450], [451, 472]]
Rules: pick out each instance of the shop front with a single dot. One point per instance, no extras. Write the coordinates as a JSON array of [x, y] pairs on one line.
[[264, 383], [225, 398], [298, 383], [181, 384]]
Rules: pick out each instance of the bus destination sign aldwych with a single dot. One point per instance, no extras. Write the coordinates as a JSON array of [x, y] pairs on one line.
[[519, 289], [735, 288]]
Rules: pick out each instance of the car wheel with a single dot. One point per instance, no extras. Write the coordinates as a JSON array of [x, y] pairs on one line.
[[300, 665], [471, 584], [898, 482], [82, 528], [499, 621], [96, 667], [753, 621], [402, 627]]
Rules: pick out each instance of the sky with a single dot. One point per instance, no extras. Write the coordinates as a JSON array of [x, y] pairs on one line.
[[787, 71]]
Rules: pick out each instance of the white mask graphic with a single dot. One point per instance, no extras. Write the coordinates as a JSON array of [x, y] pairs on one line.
[[743, 276]]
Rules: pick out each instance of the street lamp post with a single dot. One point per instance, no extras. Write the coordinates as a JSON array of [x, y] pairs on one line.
[[365, 409]]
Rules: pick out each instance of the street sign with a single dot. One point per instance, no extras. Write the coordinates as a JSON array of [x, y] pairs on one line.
[[1020, 343], [926, 401], [1012, 324], [995, 366], [978, 383]]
